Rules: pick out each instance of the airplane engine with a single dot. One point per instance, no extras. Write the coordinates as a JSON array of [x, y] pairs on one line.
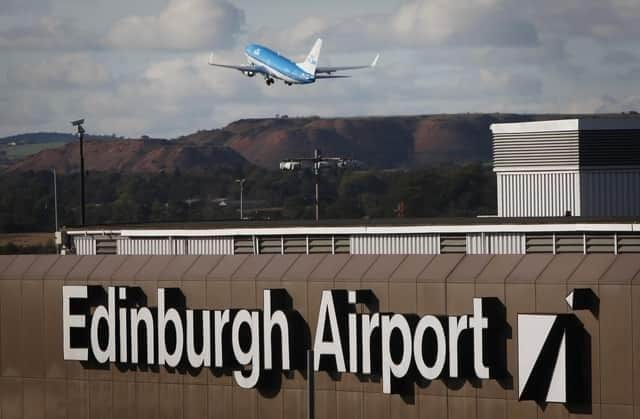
[[249, 73]]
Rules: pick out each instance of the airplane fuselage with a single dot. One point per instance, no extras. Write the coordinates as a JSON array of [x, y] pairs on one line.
[[277, 65]]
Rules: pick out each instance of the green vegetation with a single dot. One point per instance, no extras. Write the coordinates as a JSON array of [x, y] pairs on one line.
[[26, 199], [20, 151], [17, 249]]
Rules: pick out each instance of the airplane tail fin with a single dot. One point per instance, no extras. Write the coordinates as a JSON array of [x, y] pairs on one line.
[[309, 65]]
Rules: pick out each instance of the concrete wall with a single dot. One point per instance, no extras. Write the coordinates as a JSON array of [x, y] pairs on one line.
[[35, 381]]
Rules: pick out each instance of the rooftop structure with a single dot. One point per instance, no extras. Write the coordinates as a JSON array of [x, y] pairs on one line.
[[578, 167]]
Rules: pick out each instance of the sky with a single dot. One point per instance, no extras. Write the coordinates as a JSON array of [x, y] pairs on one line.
[[135, 68]]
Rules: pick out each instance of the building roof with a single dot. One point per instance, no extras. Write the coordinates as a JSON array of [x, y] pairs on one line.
[[577, 124]]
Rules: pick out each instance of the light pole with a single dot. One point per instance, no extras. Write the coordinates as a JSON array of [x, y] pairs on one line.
[[78, 124], [241, 182], [55, 197]]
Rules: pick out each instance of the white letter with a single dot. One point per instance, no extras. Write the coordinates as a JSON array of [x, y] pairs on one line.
[[430, 322], [108, 315], [456, 326], [400, 369], [478, 323], [252, 356], [137, 315], [122, 320], [270, 320], [164, 318], [221, 318], [70, 321], [204, 357], [333, 347], [369, 324]]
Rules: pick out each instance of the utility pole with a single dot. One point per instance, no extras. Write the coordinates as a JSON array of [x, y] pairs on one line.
[[241, 182], [78, 124], [316, 172], [55, 197], [317, 160]]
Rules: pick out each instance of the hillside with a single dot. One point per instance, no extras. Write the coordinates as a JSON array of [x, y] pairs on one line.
[[132, 156], [379, 142]]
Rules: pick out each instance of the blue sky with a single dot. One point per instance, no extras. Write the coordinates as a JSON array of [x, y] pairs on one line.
[[139, 67]]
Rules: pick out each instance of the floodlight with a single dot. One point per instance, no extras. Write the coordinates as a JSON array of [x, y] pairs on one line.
[[77, 123]]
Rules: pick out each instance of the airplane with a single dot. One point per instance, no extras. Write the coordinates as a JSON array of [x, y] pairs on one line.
[[271, 65]]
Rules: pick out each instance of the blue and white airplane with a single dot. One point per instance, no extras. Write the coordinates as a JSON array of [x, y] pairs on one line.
[[272, 65]]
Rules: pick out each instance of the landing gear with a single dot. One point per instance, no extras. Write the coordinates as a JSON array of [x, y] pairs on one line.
[[288, 83], [269, 81]]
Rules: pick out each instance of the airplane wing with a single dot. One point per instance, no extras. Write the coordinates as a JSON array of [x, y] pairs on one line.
[[329, 70], [243, 68], [329, 76]]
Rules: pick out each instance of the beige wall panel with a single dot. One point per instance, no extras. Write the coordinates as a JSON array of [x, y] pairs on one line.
[[18, 267], [469, 268], [124, 400], [245, 403], [329, 268], [622, 270], [326, 404], [593, 266], [411, 267], [195, 401], [492, 408], [62, 267], [522, 409], [100, 399], [617, 411], [553, 411], [32, 329], [34, 399], [56, 399], [439, 268], [220, 403], [5, 261], [461, 408], [77, 399], [39, 268], [11, 398], [147, 400], [404, 406], [176, 269], [11, 361], [83, 269], [376, 405], [635, 304], [560, 268], [248, 270], [302, 267], [201, 267], [271, 406], [529, 268], [171, 400], [106, 268], [356, 267], [52, 322], [498, 268], [128, 270], [615, 349], [432, 407], [278, 267], [154, 267], [294, 404], [384, 267], [349, 405]]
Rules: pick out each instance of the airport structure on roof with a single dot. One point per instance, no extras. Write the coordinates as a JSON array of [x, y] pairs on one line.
[[531, 313]]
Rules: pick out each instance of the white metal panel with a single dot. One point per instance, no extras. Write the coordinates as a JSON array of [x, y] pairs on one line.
[[477, 243], [210, 246], [84, 245], [395, 244], [127, 246], [610, 192], [538, 194], [506, 243]]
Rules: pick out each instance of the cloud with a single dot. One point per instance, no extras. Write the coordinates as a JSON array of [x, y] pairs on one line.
[[61, 71], [619, 57], [23, 7], [46, 33], [182, 25]]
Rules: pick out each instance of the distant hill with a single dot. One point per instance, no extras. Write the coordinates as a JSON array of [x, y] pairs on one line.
[[380, 142], [132, 156]]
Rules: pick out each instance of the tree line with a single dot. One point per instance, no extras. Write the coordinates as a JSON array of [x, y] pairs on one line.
[[27, 199]]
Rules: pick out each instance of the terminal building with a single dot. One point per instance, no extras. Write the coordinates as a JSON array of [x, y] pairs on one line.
[[532, 313]]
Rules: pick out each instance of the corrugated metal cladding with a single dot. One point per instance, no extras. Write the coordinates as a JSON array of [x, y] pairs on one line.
[[496, 243], [610, 192], [559, 148], [395, 244], [84, 245], [538, 194], [610, 147], [175, 246]]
